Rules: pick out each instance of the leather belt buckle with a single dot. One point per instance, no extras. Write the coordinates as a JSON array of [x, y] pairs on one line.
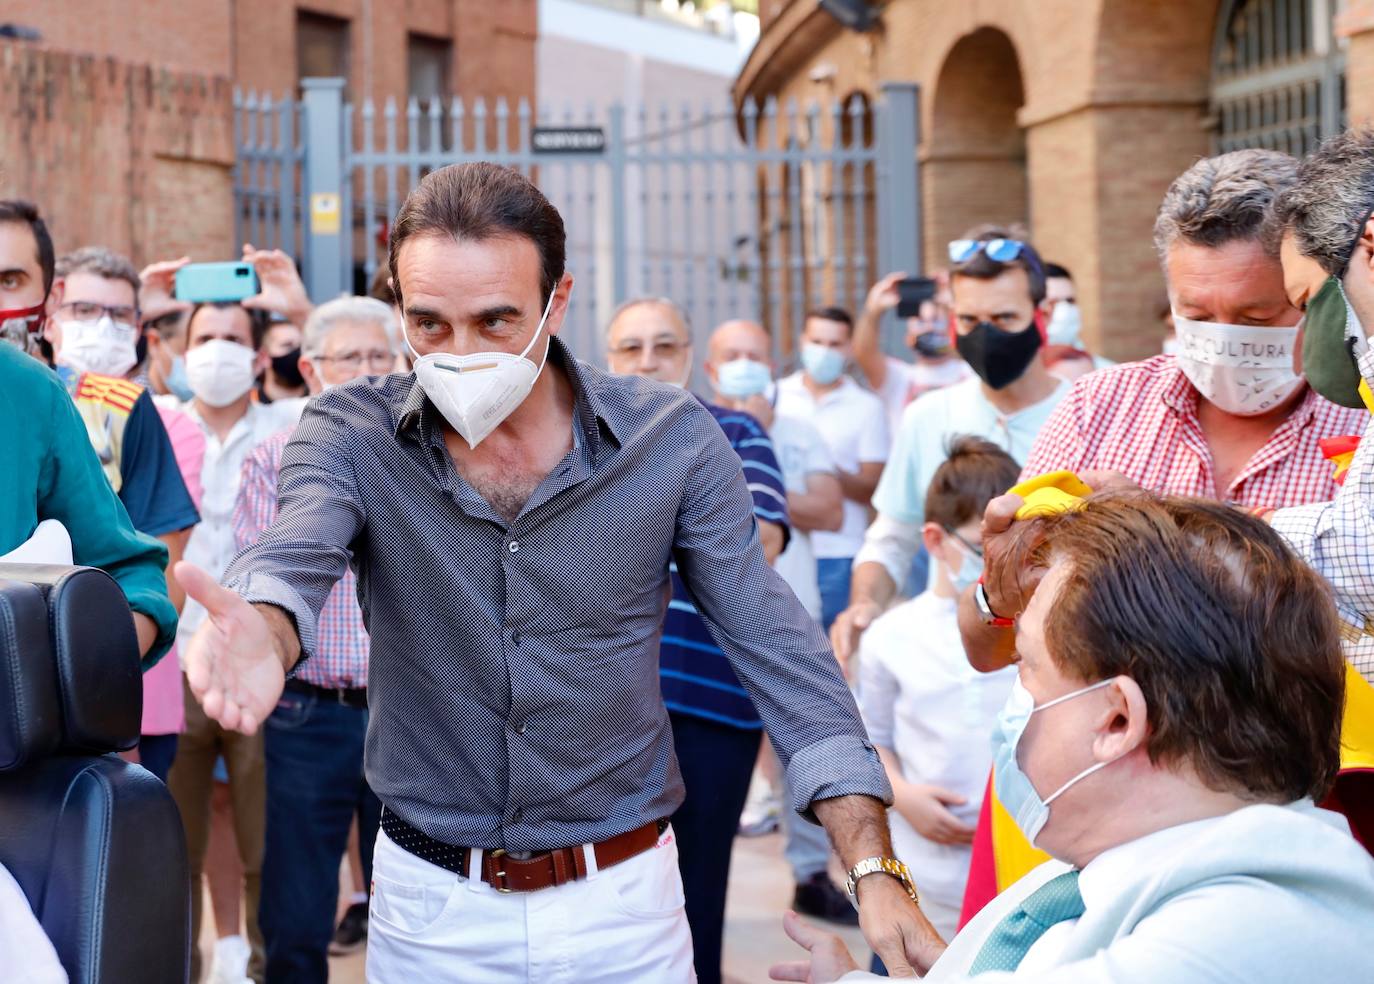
[[504, 887]]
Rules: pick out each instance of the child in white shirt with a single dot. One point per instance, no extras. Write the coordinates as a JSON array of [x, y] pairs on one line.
[[928, 711]]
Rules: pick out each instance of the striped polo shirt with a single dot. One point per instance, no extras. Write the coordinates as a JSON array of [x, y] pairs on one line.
[[696, 675]]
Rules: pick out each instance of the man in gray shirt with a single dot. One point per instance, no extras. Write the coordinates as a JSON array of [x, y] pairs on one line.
[[511, 514]]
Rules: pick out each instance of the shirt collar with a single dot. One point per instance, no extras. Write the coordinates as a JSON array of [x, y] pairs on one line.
[[418, 415], [1179, 394]]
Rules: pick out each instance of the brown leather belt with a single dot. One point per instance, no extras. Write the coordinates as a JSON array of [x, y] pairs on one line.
[[509, 874]]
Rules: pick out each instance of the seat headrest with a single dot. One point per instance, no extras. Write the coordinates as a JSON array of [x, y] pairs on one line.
[[69, 666]]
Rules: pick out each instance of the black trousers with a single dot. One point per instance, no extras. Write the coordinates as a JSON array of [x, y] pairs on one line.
[[717, 762]]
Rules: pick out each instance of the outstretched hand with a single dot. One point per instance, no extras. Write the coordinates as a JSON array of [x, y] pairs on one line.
[[233, 664], [828, 959]]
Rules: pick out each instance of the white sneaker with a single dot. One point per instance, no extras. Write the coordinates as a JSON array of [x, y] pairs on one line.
[[231, 961], [762, 810]]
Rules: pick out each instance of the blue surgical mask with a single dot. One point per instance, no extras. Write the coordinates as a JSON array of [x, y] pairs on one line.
[[177, 383], [822, 363], [1014, 788], [741, 378], [970, 568]]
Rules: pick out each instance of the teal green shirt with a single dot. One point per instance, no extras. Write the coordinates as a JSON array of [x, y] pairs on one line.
[[48, 470]]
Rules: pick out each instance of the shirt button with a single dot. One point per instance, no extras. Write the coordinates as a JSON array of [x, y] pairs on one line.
[[514, 546], [515, 636], [519, 728], [515, 815]]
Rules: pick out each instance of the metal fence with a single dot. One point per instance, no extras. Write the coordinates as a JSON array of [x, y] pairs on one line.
[[1278, 75], [761, 213]]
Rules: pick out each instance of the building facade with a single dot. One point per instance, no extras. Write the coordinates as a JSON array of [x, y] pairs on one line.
[[118, 119], [1072, 116]]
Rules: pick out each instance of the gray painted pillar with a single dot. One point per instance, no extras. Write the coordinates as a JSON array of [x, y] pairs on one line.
[[325, 223], [899, 189]]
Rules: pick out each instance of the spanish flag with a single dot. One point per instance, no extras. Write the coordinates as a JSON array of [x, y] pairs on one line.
[[1001, 854]]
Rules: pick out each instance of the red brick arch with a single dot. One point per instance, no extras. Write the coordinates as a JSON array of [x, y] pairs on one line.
[[975, 149]]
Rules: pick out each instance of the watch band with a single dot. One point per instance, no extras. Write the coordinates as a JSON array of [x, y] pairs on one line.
[[874, 866], [980, 597]]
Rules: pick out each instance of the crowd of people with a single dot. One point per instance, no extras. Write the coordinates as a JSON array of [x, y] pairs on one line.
[[524, 643]]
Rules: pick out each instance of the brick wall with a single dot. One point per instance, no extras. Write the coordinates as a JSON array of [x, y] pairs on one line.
[[1073, 115], [119, 154]]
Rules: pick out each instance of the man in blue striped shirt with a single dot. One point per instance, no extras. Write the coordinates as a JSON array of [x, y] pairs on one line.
[[716, 730]]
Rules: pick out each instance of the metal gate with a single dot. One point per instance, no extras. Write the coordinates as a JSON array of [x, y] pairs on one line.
[[761, 213], [1278, 75]]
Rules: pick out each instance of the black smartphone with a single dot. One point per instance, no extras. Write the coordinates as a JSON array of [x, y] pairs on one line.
[[912, 293]]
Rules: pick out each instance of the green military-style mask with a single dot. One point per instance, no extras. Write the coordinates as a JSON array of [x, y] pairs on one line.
[[1332, 335]]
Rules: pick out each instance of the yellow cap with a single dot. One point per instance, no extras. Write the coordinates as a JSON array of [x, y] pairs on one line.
[[1051, 493]]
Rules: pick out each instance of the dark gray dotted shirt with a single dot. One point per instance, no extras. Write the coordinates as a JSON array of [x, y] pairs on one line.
[[514, 686]]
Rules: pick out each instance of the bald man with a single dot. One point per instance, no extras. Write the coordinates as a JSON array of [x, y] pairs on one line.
[[716, 730], [739, 364]]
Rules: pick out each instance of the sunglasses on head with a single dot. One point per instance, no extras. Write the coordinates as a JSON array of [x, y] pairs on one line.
[[1001, 250]]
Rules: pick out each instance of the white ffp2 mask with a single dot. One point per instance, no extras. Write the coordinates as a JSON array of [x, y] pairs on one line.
[[219, 371], [476, 392], [1244, 370], [101, 346]]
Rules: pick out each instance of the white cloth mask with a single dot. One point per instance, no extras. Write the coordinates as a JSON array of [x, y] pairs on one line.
[[1243, 369], [219, 371], [1065, 325], [101, 346], [476, 392]]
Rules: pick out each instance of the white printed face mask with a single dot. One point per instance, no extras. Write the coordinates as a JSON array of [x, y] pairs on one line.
[[1242, 369], [100, 346], [219, 371], [476, 392]]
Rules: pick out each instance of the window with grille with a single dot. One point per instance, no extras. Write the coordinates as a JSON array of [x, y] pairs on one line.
[[1278, 75]]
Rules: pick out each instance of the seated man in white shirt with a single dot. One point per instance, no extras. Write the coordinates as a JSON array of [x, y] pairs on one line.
[[1177, 713]]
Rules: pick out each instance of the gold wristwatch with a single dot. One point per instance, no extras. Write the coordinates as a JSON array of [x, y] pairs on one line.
[[873, 866]]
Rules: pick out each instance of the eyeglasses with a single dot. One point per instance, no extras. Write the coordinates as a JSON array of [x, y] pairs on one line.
[[377, 359], [661, 350], [121, 315], [977, 551], [1001, 250]]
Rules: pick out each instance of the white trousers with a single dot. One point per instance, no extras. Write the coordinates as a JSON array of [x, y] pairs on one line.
[[622, 925]]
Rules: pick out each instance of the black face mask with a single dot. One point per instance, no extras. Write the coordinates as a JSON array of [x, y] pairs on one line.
[[932, 344], [999, 357], [287, 368]]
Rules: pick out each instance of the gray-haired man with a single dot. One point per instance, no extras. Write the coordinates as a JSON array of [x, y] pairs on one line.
[[314, 738]]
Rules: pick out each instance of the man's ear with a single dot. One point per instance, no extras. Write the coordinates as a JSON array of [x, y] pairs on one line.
[[933, 536], [1123, 725], [313, 384], [559, 309], [54, 299]]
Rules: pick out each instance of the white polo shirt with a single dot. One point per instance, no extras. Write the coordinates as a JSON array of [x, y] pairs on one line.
[[854, 424]]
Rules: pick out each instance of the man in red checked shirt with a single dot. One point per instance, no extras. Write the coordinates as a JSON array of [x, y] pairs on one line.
[[1227, 417]]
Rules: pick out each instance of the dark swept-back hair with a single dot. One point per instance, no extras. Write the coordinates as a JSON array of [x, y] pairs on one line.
[[1331, 199], [480, 201], [973, 473], [258, 321], [1234, 641], [18, 211], [832, 314], [980, 266]]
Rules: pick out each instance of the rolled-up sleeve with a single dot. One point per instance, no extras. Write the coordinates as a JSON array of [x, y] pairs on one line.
[[297, 561], [776, 648]]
